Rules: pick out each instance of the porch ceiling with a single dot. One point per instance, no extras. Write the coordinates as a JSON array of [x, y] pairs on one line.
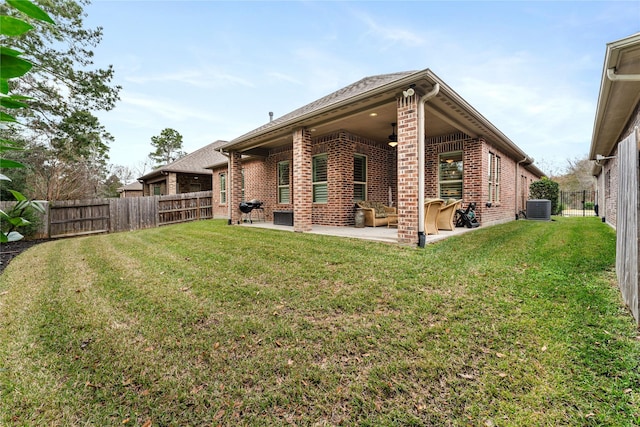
[[370, 118]]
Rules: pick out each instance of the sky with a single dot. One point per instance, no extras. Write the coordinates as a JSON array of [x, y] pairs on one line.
[[215, 69]]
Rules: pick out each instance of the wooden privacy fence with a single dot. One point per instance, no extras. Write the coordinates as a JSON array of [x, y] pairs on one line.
[[81, 217], [628, 223]]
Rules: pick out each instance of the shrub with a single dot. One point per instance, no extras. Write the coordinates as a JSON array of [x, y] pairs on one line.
[[546, 189], [31, 219]]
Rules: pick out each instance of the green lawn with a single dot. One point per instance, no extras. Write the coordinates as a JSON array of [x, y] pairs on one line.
[[208, 324]]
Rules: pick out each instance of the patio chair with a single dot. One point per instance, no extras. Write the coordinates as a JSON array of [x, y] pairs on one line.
[[431, 212], [447, 214], [376, 214]]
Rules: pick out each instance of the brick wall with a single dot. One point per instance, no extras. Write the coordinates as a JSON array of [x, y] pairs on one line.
[[234, 184], [219, 209], [382, 164], [188, 181], [607, 181], [261, 178], [475, 188], [407, 170]]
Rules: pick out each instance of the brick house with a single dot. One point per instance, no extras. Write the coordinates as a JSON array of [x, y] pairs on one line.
[[185, 175], [614, 148], [362, 142]]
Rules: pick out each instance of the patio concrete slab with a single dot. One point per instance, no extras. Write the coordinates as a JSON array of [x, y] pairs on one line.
[[379, 234]]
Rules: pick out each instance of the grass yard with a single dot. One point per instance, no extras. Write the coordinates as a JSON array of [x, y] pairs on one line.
[[207, 324]]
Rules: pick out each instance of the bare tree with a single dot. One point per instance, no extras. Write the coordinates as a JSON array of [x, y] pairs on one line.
[[578, 175]]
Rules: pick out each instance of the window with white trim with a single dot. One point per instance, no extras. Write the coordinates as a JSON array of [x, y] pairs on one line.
[[284, 189], [450, 175], [319, 172], [223, 188], [359, 177], [494, 166]]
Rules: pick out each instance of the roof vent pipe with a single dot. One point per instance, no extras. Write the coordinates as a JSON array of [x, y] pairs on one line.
[[270, 116]]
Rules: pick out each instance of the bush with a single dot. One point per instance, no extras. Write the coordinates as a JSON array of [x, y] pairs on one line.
[[589, 205], [29, 214], [546, 189]]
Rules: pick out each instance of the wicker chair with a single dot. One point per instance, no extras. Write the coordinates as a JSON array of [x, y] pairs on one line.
[[447, 214], [431, 213]]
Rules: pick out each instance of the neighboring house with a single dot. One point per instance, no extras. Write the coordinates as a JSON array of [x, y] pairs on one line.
[[363, 142], [131, 190], [186, 175], [614, 147]]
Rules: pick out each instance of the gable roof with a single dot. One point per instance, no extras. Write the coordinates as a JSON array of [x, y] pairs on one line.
[[351, 107], [195, 162], [364, 85], [617, 98]]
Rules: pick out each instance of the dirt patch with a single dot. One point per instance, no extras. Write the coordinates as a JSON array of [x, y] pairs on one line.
[[9, 251]]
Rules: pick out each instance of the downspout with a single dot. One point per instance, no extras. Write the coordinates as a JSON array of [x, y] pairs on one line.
[[227, 180], [518, 184], [421, 153]]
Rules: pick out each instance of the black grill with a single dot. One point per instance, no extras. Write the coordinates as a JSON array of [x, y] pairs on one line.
[[247, 207]]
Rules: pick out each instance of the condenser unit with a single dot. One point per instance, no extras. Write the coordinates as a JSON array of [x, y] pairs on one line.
[[539, 209]]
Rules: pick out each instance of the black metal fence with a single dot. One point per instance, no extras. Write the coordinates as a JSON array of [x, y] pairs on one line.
[[577, 203]]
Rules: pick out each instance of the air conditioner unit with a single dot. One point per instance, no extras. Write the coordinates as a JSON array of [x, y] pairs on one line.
[[539, 209]]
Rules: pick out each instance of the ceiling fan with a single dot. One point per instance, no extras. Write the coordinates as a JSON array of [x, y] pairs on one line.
[[393, 138]]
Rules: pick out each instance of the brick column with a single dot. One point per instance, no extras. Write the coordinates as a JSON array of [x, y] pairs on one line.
[[172, 183], [302, 181], [235, 185], [407, 150]]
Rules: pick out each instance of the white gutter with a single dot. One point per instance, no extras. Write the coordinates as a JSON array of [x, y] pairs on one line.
[[518, 184], [421, 152], [611, 75]]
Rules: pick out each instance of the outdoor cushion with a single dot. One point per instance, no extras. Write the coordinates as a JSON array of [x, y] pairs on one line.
[[378, 207]]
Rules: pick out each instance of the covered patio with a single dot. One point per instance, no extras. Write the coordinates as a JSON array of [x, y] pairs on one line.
[[377, 234], [396, 138]]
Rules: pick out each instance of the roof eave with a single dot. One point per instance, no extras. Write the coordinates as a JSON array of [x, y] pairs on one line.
[[241, 142], [606, 133], [493, 133]]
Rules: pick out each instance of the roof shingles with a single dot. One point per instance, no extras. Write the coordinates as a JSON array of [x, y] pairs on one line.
[[195, 162], [361, 86]]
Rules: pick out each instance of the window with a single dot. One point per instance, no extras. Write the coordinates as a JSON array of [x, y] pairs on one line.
[[359, 177], [607, 184], [223, 188], [194, 188], [320, 190], [450, 175], [494, 178], [157, 189], [284, 190]]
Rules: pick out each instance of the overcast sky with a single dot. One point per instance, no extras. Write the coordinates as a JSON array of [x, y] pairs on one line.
[[213, 69]]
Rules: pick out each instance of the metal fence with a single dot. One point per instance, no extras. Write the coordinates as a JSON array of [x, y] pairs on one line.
[[577, 203]]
